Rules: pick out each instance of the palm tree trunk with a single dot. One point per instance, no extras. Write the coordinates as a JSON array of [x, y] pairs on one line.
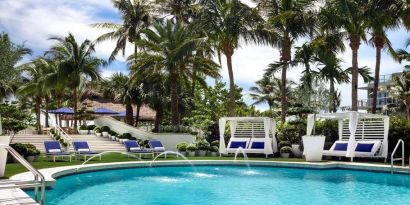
[[285, 59], [137, 115], [231, 105], [128, 114], [47, 99], [75, 107], [332, 96], [379, 47], [354, 45], [38, 114], [174, 100], [158, 118]]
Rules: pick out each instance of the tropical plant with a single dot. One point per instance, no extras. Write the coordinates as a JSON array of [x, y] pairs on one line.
[[76, 64], [168, 52], [228, 23], [182, 146], [288, 20], [349, 15], [13, 119], [119, 88], [136, 16], [383, 16], [11, 54], [401, 90]]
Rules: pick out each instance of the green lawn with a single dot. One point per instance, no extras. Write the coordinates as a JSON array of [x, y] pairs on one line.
[[15, 168]]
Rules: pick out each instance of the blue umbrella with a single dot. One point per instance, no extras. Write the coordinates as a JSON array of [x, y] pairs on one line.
[[63, 110], [104, 111]]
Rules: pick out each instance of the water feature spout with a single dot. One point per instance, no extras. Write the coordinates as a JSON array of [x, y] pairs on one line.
[[102, 153], [245, 156]]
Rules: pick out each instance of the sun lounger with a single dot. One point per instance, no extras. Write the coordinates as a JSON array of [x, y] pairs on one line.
[[133, 147], [53, 148], [81, 148]]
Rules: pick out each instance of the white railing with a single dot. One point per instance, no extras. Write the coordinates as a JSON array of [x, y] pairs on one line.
[[67, 139], [39, 180], [392, 159]]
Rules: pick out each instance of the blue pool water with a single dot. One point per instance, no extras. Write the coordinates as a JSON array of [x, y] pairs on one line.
[[229, 185]]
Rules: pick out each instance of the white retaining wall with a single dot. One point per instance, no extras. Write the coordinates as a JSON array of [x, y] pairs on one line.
[[169, 140]]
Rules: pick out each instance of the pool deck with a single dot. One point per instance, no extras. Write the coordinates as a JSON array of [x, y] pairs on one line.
[[51, 174]]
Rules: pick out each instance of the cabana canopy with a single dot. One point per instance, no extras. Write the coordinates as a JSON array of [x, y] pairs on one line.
[[361, 126], [249, 127], [63, 110], [104, 111]]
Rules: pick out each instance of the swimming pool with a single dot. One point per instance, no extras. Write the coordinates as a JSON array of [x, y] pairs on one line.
[[229, 185]]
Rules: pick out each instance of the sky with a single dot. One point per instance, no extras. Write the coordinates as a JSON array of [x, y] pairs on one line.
[[33, 22]]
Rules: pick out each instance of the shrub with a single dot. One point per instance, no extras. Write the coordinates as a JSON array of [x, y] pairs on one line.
[[284, 144], [127, 136], [143, 143], [91, 127], [112, 133], [291, 131], [214, 149], [399, 129], [329, 129], [191, 148], [182, 146], [105, 129], [202, 145], [97, 130], [83, 127], [286, 149], [26, 149], [215, 143]]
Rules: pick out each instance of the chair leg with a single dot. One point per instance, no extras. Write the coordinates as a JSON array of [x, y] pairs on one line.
[[54, 158], [100, 157]]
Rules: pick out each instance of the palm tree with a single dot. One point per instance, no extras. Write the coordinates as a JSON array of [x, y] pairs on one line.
[[136, 17], [350, 16], [288, 20], [11, 54], [305, 56], [35, 85], [263, 92], [168, 52], [331, 71], [120, 90], [76, 64], [383, 16], [228, 23], [401, 90]]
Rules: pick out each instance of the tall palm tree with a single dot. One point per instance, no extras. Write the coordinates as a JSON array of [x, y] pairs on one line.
[[168, 52], [35, 84], [383, 16], [350, 16], [305, 56], [76, 64], [401, 90], [229, 23], [136, 16], [289, 20], [120, 90], [263, 92]]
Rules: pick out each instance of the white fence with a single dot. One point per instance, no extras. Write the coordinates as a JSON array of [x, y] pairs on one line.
[[169, 140]]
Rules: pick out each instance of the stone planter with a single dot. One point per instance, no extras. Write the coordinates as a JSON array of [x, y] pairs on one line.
[[296, 150], [202, 153], [98, 134], [82, 132], [31, 158], [284, 155], [105, 134], [91, 132], [183, 153], [214, 154], [313, 147], [191, 153], [5, 140]]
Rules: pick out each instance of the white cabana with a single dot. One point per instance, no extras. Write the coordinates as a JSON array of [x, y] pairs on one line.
[[252, 130], [356, 126]]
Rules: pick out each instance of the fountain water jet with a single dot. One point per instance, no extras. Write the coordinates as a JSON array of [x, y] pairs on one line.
[[178, 155], [105, 152]]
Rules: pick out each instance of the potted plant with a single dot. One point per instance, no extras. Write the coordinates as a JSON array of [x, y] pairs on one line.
[[64, 145], [191, 149], [105, 130], [313, 147], [32, 153], [203, 147], [97, 132], [214, 151], [83, 130], [285, 151], [91, 129], [181, 147]]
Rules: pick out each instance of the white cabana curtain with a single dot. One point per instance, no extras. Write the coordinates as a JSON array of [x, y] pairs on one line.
[[222, 147], [340, 128], [267, 127], [310, 124], [386, 122], [353, 119]]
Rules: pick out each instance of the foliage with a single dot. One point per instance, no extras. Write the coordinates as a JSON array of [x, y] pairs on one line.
[[13, 119], [25, 149], [182, 146], [214, 149], [284, 144], [91, 127], [202, 144], [105, 129], [286, 149], [191, 148], [291, 131], [97, 130], [399, 129], [328, 128], [83, 127], [215, 143], [143, 143], [112, 133]]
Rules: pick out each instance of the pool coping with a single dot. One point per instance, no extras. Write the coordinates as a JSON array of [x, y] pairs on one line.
[[52, 174]]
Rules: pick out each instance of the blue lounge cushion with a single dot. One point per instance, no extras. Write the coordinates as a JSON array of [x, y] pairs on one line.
[[258, 145], [52, 145], [80, 145], [237, 144], [364, 147], [155, 143], [340, 146], [131, 144]]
